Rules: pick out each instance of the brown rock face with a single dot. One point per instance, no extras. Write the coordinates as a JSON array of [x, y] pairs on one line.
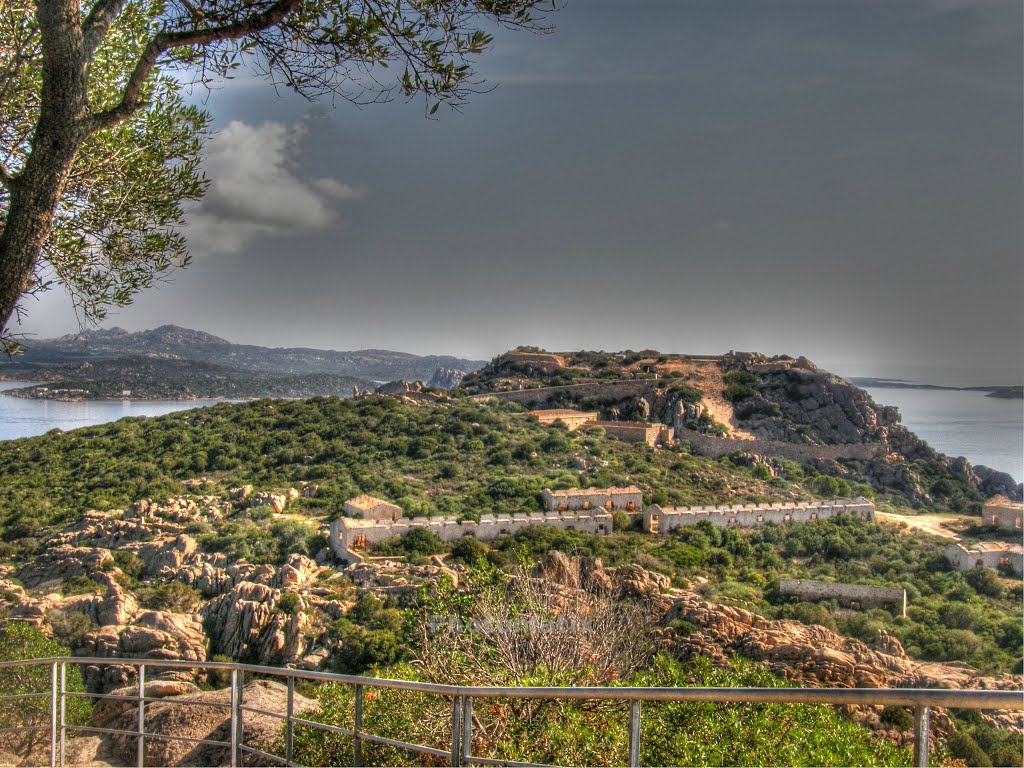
[[173, 716]]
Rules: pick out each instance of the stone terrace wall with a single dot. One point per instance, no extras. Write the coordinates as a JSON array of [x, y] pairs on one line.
[[714, 447], [539, 395], [753, 515], [864, 595], [344, 530]]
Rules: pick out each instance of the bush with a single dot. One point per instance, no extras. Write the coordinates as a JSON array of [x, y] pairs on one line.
[[173, 596], [469, 551]]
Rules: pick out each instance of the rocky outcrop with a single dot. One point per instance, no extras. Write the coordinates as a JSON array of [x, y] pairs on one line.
[[173, 715], [150, 635], [244, 624], [63, 562], [446, 378], [589, 574]]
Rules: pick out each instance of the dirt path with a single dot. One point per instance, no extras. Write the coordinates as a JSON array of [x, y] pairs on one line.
[[716, 405], [933, 524]]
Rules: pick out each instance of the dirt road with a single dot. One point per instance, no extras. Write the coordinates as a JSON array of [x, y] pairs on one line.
[[933, 524]]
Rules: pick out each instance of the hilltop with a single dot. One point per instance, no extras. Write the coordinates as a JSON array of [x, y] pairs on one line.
[[780, 406]]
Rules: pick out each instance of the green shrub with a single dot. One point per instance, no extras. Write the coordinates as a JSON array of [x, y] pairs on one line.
[[172, 596]]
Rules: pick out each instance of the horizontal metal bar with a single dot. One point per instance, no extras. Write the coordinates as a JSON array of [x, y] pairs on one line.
[[133, 734], [261, 753], [150, 699], [185, 738], [267, 712], [107, 696], [94, 729], [906, 697], [22, 696], [406, 745], [493, 761], [325, 727]]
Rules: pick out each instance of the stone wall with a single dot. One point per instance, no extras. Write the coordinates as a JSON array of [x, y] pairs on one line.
[[636, 431], [539, 395], [862, 595], [344, 530], [664, 520], [628, 499], [706, 445]]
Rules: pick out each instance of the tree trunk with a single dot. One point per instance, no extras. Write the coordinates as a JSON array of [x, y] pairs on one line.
[[32, 204], [36, 191]]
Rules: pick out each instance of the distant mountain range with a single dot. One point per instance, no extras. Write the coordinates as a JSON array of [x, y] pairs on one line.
[[109, 362], [1012, 392]]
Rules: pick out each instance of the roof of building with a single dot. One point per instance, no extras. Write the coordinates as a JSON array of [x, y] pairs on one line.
[[992, 546], [560, 412], [1002, 501], [366, 502], [571, 492]]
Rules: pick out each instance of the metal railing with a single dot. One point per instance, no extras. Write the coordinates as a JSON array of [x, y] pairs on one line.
[[921, 700]]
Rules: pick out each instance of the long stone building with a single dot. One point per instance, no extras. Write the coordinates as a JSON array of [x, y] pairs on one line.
[[659, 519], [854, 595], [629, 499], [351, 538], [572, 419], [581, 509]]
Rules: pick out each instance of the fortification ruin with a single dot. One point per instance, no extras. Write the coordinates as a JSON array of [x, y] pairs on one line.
[[659, 519], [352, 538], [636, 432], [572, 419], [629, 499], [853, 595], [999, 512], [987, 554]]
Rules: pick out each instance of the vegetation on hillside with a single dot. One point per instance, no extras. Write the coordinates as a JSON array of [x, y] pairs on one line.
[[457, 458]]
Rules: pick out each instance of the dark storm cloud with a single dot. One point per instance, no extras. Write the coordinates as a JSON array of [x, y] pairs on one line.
[[838, 179]]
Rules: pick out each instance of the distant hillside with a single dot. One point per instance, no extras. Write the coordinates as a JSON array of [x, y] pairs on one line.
[[175, 343], [152, 378], [747, 403]]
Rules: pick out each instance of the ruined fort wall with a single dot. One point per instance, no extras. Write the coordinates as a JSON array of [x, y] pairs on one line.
[[862, 594], [345, 530], [753, 515], [706, 445], [540, 395], [598, 499]]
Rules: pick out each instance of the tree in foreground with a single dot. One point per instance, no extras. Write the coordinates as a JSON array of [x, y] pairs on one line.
[[99, 150]]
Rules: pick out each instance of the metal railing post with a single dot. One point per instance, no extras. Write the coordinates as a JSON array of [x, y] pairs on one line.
[[53, 715], [289, 725], [63, 709], [456, 729], [233, 721], [467, 729], [634, 733], [922, 718], [357, 730], [140, 743]]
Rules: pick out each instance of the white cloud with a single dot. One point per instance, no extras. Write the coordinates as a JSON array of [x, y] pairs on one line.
[[256, 191]]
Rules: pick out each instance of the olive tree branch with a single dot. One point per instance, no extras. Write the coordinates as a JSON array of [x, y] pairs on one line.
[[165, 41], [97, 23]]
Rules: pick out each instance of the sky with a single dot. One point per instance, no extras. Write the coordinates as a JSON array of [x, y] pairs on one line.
[[840, 179]]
